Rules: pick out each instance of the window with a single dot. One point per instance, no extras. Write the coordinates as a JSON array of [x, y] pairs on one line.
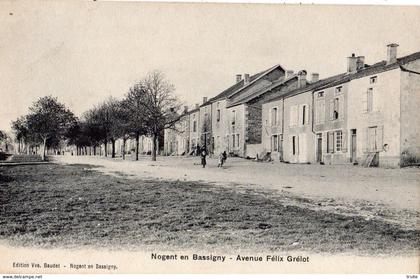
[[194, 123], [274, 115], [235, 140], [374, 139], [338, 140], [335, 141], [274, 143], [338, 90], [294, 147], [293, 115], [373, 79], [320, 112], [336, 108], [304, 115], [218, 115], [233, 117], [320, 94], [368, 106]]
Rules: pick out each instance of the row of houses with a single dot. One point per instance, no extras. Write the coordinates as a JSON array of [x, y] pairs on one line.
[[365, 115]]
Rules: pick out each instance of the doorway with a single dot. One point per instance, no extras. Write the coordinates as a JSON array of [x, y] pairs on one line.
[[353, 150], [319, 148]]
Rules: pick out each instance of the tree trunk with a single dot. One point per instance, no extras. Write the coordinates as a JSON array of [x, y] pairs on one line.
[[123, 148], [94, 150], [44, 146], [106, 148], [113, 148], [137, 146], [154, 147]]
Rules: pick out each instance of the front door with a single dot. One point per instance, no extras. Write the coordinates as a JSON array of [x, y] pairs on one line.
[[353, 154], [319, 148]]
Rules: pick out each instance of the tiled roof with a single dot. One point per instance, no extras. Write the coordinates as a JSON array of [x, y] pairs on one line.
[[275, 84], [346, 77], [308, 87], [375, 69], [238, 86]]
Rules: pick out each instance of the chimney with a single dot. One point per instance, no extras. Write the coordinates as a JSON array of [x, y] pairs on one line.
[[204, 100], [197, 106], [391, 53], [314, 77], [301, 78], [185, 109], [289, 73], [246, 78], [351, 63], [360, 62], [238, 78]]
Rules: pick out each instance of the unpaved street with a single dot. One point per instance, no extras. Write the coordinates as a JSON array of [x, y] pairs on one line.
[[389, 194], [76, 206]]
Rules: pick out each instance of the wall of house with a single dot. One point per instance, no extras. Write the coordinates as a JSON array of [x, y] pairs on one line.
[[385, 116], [194, 137], [269, 128], [176, 141], [237, 148], [301, 130], [205, 128], [219, 127], [325, 124], [410, 122]]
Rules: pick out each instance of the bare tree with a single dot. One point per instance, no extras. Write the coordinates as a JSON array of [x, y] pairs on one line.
[[159, 104]]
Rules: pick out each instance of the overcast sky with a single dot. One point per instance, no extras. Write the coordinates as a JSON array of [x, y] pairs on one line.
[[84, 52]]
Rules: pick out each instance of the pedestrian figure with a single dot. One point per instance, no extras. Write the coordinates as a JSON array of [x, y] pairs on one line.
[[222, 159], [203, 155]]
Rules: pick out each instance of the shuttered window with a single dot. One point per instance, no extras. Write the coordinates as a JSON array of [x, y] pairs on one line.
[[293, 115], [374, 139], [274, 117], [330, 142]]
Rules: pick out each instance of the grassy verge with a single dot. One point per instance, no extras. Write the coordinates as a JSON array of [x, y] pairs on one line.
[[75, 206]]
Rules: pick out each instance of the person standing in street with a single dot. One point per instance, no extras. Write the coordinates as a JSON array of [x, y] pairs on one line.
[[203, 155]]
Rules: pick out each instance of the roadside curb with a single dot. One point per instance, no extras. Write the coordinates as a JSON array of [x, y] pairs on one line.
[[24, 163]]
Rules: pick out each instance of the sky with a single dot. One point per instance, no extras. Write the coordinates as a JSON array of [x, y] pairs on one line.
[[83, 52]]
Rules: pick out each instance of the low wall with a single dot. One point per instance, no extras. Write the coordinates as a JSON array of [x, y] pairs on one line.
[[253, 149]]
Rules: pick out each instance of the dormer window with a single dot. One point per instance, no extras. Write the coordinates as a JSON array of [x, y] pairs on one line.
[[373, 80], [338, 89]]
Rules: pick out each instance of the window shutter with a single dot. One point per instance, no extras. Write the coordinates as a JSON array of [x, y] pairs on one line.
[[291, 146], [270, 117], [380, 138], [330, 142], [366, 141], [300, 115], [291, 116], [322, 112], [297, 145], [344, 141], [341, 107], [293, 112], [365, 101], [306, 114], [331, 111]]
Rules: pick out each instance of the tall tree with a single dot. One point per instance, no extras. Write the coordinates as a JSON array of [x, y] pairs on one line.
[[20, 129], [133, 108], [160, 103], [48, 118]]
